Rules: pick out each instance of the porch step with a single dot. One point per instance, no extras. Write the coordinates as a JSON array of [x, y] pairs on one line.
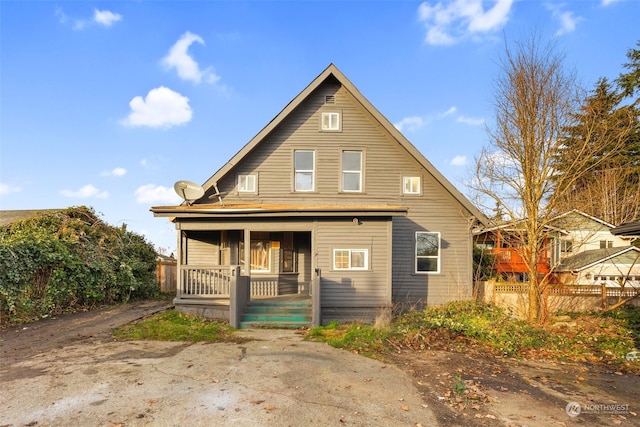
[[277, 314]]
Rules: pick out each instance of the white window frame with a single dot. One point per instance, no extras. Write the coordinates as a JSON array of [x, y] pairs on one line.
[[436, 257], [330, 121], [351, 252], [304, 171], [243, 183], [352, 172], [410, 180]]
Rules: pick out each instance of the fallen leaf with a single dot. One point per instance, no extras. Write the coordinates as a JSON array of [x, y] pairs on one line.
[[404, 407], [269, 408], [580, 378]]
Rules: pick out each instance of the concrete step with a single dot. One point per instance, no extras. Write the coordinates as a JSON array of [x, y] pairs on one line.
[[274, 325]]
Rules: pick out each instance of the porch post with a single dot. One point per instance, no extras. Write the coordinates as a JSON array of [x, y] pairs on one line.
[[238, 296], [316, 309], [181, 259]]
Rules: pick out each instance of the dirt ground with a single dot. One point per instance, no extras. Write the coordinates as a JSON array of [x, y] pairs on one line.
[[459, 388]]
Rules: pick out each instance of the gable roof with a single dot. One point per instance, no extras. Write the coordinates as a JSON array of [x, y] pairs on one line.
[[583, 214], [589, 258], [627, 229], [332, 72]]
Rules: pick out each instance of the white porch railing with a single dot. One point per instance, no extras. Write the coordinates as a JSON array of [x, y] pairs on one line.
[[206, 281], [215, 281]]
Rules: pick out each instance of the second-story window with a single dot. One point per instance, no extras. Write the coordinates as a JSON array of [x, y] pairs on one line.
[[246, 183], [304, 167], [352, 171]]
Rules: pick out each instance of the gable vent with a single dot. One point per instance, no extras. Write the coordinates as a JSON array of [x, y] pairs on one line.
[[329, 99]]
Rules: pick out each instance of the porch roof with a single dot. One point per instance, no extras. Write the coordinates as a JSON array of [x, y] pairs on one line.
[[275, 210]]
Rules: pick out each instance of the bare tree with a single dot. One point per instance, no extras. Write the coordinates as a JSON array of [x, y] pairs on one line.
[[535, 98]]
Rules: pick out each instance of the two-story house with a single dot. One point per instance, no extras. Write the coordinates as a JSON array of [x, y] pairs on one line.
[[578, 249], [329, 199]]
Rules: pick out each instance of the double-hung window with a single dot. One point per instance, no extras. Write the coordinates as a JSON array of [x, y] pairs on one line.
[[246, 183], [304, 170], [350, 259], [352, 171], [427, 252]]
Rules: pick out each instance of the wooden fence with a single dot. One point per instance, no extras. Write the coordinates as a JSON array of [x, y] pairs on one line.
[[514, 296]]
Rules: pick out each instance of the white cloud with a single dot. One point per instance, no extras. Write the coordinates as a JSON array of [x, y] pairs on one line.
[[115, 172], [449, 112], [470, 120], [6, 189], [410, 123], [449, 21], [459, 161], [567, 20], [105, 18], [161, 108], [187, 68], [88, 191], [151, 193], [608, 2]]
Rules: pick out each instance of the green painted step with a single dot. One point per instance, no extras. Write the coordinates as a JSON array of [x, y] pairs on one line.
[[277, 314]]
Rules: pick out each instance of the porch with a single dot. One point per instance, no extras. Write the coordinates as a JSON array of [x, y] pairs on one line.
[[223, 292]]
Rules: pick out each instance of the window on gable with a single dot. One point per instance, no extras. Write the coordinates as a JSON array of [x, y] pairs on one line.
[[330, 121], [427, 252], [304, 167], [246, 183], [411, 185], [352, 171], [350, 259]]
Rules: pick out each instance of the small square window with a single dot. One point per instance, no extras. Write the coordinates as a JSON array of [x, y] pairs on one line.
[[330, 121], [411, 185], [350, 259], [246, 183]]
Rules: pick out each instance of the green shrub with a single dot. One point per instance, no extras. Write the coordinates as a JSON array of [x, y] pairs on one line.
[[61, 260]]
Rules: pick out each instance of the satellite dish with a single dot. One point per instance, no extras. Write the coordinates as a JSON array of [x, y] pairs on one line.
[[188, 190]]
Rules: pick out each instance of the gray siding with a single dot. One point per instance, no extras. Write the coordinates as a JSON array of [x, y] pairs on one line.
[[354, 288], [204, 249], [385, 163]]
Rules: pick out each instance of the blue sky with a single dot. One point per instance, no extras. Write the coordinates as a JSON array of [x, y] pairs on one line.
[[107, 104]]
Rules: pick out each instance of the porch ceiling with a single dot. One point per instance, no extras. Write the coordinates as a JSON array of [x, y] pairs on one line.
[[276, 210]]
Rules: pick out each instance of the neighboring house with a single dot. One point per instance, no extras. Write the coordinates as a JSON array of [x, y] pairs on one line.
[[573, 239], [628, 229], [328, 199], [612, 267]]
